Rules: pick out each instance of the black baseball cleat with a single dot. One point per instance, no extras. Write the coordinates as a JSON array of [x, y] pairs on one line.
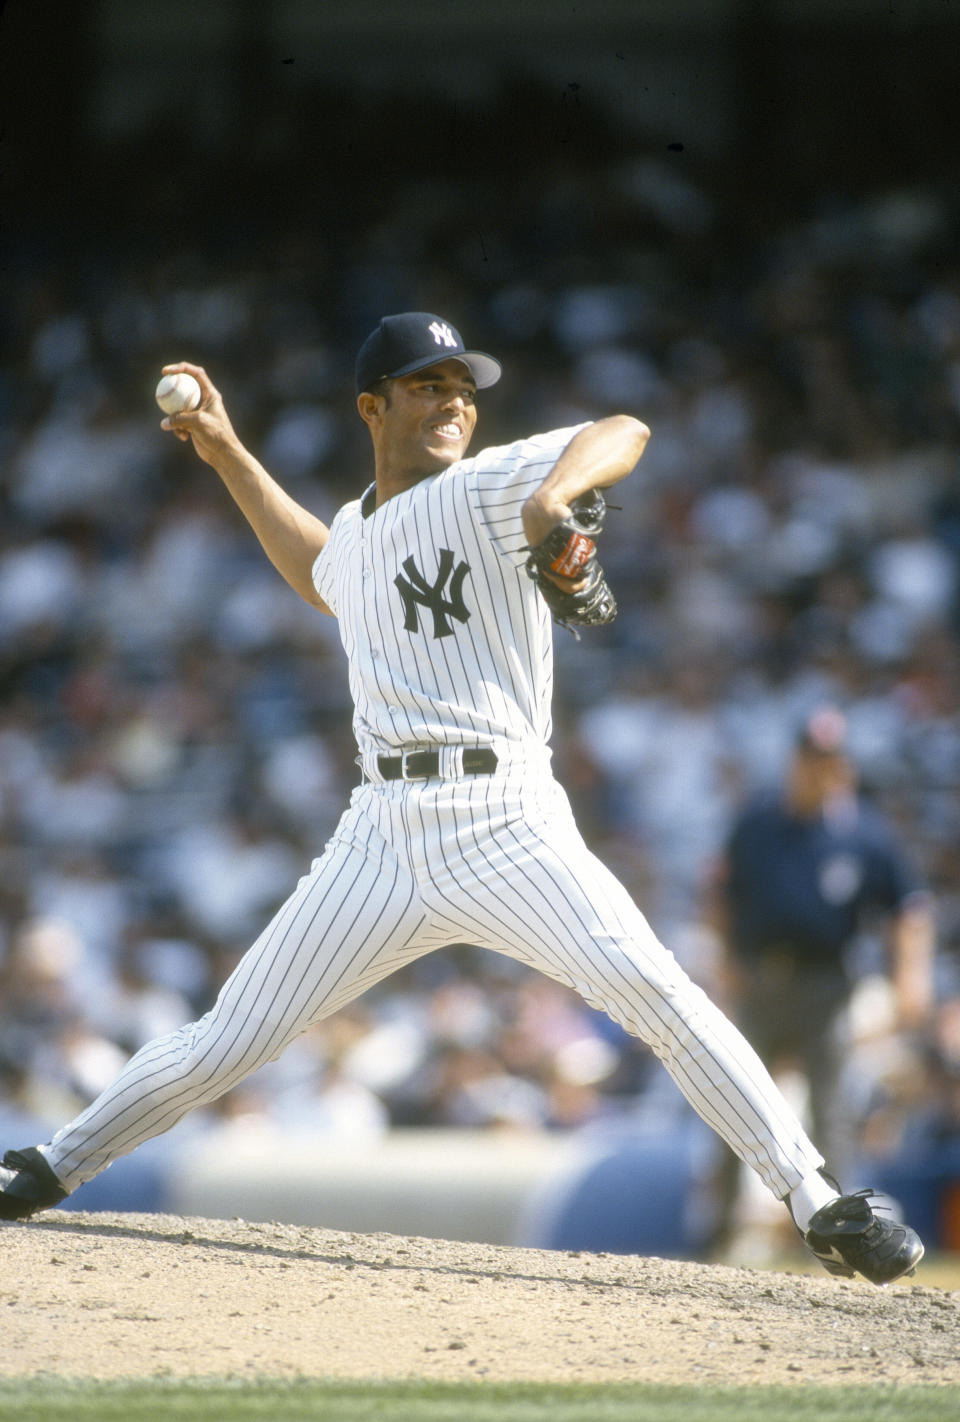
[[27, 1184], [849, 1237]]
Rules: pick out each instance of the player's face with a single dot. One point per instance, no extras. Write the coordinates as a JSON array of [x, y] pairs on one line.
[[430, 416]]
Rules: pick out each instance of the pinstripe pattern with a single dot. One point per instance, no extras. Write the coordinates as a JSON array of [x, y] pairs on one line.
[[413, 868], [508, 868], [493, 860], [340, 931], [494, 679]]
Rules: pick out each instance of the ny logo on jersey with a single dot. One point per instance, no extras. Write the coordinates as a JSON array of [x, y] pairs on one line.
[[442, 333], [415, 589]]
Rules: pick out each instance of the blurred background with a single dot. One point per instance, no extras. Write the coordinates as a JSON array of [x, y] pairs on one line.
[[736, 219]]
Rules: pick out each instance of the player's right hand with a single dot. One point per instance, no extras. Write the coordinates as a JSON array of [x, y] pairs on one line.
[[209, 424]]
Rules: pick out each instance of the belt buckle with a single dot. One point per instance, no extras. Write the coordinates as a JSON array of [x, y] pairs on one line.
[[424, 775]]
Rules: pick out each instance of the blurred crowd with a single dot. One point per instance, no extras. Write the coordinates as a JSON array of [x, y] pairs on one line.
[[175, 744]]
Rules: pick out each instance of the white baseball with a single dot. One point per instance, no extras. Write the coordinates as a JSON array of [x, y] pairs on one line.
[[177, 393]]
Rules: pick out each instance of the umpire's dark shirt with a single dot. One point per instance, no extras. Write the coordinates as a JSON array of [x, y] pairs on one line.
[[807, 885]]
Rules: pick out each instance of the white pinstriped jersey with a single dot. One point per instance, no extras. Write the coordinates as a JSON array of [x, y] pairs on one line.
[[447, 640]]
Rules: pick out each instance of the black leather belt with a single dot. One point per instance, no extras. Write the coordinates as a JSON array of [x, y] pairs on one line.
[[419, 764]]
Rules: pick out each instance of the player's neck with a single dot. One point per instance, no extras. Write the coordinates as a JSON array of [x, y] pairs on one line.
[[391, 481]]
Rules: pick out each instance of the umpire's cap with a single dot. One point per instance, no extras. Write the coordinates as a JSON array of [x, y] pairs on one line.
[[412, 341]]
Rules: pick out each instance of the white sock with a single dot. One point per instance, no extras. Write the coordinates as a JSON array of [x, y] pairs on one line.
[[810, 1195]]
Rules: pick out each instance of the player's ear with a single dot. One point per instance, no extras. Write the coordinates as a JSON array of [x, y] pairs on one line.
[[370, 406]]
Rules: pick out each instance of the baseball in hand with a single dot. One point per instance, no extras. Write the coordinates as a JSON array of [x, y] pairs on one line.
[[177, 393]]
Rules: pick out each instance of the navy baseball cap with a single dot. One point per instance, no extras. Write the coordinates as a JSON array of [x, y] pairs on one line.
[[414, 340]]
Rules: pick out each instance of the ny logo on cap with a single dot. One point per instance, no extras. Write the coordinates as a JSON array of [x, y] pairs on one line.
[[442, 333]]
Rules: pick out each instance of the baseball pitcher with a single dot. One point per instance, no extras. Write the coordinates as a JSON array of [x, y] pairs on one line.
[[445, 577]]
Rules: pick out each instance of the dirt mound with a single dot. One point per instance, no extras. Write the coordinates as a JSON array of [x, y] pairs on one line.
[[112, 1295]]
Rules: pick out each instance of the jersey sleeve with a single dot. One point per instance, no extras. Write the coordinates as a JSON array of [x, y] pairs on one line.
[[502, 479], [323, 579], [324, 568]]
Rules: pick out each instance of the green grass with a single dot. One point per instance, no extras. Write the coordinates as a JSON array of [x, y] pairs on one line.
[[49, 1400]]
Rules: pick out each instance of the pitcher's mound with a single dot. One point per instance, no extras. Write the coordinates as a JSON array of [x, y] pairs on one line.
[[117, 1295]]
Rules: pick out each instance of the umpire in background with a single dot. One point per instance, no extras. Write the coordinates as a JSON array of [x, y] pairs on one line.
[[805, 871]]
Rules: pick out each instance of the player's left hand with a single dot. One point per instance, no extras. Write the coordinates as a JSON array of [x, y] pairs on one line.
[[566, 569]]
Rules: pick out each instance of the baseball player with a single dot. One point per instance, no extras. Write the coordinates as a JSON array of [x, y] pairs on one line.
[[445, 576]]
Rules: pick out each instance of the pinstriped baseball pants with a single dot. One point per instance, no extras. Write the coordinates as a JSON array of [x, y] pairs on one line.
[[492, 860]]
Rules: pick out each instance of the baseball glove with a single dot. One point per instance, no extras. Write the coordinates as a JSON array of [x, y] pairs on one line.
[[569, 550]]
